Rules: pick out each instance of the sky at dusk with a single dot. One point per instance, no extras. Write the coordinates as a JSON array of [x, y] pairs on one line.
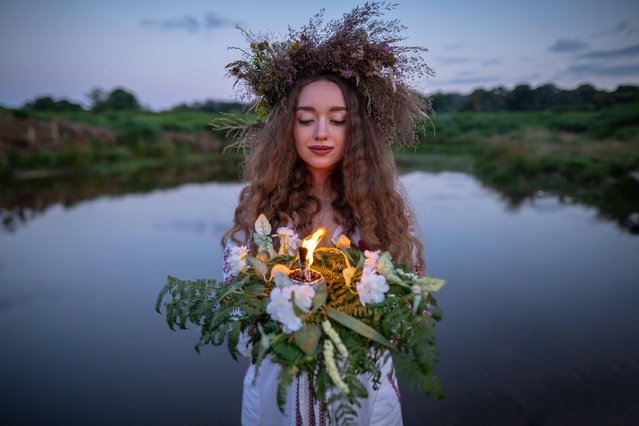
[[169, 52]]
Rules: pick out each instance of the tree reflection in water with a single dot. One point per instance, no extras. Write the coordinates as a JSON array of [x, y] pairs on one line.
[[25, 199]]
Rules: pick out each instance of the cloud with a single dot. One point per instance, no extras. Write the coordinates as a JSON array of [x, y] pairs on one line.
[[601, 70], [566, 45], [610, 54], [619, 28], [452, 60], [187, 23], [212, 21]]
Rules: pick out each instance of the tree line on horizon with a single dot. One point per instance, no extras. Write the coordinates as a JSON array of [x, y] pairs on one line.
[[546, 97], [523, 97]]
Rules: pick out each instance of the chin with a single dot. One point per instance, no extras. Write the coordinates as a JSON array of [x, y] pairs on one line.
[[321, 166]]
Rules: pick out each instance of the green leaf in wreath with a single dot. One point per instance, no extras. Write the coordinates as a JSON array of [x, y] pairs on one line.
[[254, 290], [386, 268], [285, 378], [262, 225], [307, 337], [321, 293], [358, 326], [264, 243], [430, 285]]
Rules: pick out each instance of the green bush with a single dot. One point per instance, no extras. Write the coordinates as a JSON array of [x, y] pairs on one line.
[[22, 113], [577, 122], [623, 119], [117, 154], [132, 130]]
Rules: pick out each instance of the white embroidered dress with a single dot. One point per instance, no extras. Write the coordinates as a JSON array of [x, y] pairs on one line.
[[259, 398]]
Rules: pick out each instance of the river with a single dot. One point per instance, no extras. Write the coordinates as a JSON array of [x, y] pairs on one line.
[[540, 310]]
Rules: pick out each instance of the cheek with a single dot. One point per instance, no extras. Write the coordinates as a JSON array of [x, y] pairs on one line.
[[342, 143], [298, 136]]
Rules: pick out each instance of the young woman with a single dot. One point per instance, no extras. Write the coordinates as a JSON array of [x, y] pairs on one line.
[[320, 162], [323, 158]]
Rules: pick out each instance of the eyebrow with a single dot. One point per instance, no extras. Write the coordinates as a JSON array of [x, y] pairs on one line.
[[310, 108]]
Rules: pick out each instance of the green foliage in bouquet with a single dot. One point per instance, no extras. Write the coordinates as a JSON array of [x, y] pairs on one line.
[[367, 309]]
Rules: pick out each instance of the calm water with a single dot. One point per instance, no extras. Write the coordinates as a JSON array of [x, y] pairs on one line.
[[540, 311]]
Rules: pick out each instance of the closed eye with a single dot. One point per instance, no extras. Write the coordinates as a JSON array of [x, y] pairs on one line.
[[304, 122]]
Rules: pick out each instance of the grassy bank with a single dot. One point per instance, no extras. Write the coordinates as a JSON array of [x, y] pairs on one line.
[[83, 141], [123, 122], [573, 147], [512, 148]]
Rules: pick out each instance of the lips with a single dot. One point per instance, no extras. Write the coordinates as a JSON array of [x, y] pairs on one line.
[[320, 149]]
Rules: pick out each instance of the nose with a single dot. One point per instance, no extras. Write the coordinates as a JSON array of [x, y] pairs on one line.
[[321, 132]]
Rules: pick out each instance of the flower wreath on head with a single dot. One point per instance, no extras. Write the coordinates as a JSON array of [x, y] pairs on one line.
[[360, 48]]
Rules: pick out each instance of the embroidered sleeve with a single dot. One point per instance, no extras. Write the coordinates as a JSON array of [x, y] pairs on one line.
[[226, 267], [234, 261]]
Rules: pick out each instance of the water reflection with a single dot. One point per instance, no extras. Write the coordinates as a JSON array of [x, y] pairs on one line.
[[22, 200], [616, 200], [539, 311]]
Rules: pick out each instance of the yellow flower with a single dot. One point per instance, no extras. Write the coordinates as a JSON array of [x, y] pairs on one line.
[[349, 273], [343, 242], [283, 277]]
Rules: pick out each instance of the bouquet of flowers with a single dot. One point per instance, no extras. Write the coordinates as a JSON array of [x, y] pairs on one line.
[[334, 321]]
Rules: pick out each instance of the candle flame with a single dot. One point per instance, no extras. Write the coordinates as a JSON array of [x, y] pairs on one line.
[[310, 243]]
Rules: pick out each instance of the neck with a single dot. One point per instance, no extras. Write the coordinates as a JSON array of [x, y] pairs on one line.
[[321, 182]]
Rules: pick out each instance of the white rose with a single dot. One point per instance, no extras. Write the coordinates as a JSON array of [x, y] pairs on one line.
[[279, 302], [372, 288], [281, 309], [304, 295], [290, 321]]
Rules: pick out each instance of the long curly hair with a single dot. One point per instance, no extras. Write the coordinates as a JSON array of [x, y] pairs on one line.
[[369, 196]]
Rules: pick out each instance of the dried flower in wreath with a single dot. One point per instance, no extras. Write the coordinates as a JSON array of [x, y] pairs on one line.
[[362, 48]]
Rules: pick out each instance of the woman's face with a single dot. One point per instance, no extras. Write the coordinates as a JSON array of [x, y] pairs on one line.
[[320, 126]]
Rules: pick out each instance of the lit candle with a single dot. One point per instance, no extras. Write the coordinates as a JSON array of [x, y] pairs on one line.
[[306, 270], [305, 275]]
